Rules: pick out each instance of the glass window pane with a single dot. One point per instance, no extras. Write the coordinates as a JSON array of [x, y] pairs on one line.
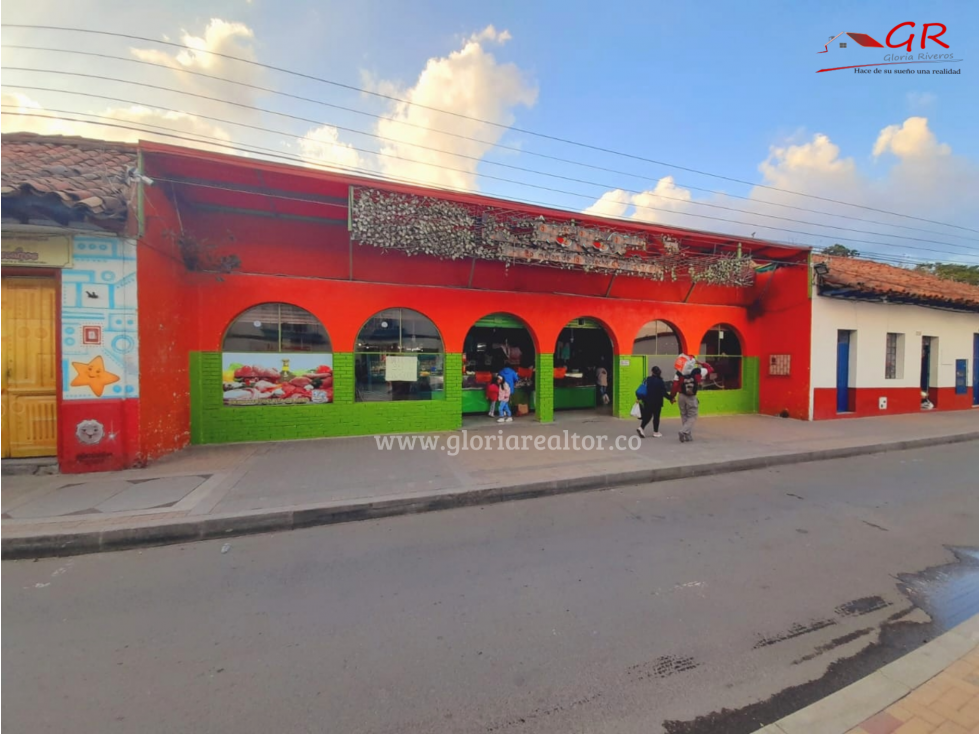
[[301, 331], [657, 337], [256, 330], [404, 334], [418, 333], [372, 386], [276, 327]]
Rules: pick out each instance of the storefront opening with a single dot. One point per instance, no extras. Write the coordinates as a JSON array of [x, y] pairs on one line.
[[493, 342], [583, 366], [399, 356], [721, 349]]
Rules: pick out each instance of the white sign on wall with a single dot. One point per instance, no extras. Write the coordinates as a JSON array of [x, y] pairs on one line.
[[401, 368]]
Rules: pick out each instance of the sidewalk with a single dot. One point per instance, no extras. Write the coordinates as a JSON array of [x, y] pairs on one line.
[[933, 690], [218, 491]]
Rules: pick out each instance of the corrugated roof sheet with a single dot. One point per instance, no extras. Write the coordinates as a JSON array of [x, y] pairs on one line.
[[868, 277], [87, 175]]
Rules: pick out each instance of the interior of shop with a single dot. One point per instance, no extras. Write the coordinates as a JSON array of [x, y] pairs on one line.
[[399, 357], [582, 351], [496, 341], [721, 349]]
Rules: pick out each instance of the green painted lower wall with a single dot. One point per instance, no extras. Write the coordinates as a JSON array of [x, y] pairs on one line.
[[712, 402], [545, 388], [212, 422]]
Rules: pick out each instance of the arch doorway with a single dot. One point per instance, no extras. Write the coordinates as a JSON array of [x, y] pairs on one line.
[[583, 366], [494, 342]]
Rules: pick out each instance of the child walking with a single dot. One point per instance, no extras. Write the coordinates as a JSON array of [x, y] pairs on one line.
[[505, 415], [493, 395]]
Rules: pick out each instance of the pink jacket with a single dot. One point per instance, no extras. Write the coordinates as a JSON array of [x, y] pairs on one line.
[[504, 392]]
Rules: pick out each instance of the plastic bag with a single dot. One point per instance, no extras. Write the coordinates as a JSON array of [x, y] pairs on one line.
[[636, 412]]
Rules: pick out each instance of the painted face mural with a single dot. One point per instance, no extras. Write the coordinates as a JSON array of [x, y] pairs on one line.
[[89, 432]]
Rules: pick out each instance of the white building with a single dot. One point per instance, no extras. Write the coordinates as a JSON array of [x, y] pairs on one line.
[[890, 340]]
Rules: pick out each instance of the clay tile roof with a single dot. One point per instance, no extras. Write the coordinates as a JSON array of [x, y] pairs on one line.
[[89, 176], [863, 278]]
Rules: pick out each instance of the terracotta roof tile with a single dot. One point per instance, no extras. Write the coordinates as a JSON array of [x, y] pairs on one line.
[[88, 175], [868, 277]]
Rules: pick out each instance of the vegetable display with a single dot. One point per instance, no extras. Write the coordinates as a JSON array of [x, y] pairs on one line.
[[257, 384]]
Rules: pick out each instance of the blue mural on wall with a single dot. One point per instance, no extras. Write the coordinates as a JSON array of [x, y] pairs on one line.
[[99, 322]]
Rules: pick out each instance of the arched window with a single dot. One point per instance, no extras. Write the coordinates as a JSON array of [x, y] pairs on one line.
[[721, 349], [660, 343], [276, 354], [399, 356], [657, 337], [276, 327]]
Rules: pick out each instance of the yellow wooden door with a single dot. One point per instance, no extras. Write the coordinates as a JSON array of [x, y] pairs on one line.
[[30, 390]]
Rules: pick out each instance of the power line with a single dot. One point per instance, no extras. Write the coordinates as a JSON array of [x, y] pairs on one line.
[[477, 159], [524, 131], [491, 144], [286, 197], [577, 194], [248, 149]]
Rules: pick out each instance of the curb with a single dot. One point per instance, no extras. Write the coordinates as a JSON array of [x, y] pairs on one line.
[[840, 712], [264, 521]]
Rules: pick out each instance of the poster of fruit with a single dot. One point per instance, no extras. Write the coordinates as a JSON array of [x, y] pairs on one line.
[[279, 378]]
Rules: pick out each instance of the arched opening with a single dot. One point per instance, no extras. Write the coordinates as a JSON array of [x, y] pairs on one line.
[[660, 343], [583, 366], [494, 342], [276, 354], [722, 350], [399, 356]]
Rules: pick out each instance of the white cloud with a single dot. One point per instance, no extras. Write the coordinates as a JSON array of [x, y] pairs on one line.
[[322, 146], [913, 139], [924, 178], [220, 37], [613, 203], [652, 205], [48, 123], [469, 82]]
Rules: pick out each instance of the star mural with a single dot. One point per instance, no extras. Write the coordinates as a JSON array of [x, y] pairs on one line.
[[94, 374]]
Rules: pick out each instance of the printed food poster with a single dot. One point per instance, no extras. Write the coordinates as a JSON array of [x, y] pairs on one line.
[[277, 378]]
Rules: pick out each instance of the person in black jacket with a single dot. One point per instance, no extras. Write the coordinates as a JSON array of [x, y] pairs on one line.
[[652, 404]]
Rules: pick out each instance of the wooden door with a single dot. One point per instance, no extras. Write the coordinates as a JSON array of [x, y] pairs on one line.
[[30, 394]]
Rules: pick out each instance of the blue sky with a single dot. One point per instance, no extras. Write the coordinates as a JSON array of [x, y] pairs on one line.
[[715, 86]]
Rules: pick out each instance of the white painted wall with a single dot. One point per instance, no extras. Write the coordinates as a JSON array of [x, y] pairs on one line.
[[872, 322]]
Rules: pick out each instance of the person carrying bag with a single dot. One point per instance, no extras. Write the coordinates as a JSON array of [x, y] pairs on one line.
[[649, 402]]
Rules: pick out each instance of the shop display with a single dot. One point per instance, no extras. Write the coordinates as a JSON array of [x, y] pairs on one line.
[[277, 378]]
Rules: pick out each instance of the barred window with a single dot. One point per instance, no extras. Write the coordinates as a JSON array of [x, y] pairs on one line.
[[894, 357]]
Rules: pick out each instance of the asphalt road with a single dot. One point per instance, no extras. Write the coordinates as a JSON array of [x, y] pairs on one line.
[[602, 612]]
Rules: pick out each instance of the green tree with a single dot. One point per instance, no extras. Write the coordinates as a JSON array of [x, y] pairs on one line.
[[840, 251], [961, 273]]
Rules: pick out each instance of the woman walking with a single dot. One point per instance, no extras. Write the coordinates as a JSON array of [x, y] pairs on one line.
[[651, 404]]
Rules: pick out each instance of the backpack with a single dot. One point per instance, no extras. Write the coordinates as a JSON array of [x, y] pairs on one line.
[[689, 385]]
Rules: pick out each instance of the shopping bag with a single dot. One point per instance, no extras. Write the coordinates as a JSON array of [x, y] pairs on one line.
[[636, 411]]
